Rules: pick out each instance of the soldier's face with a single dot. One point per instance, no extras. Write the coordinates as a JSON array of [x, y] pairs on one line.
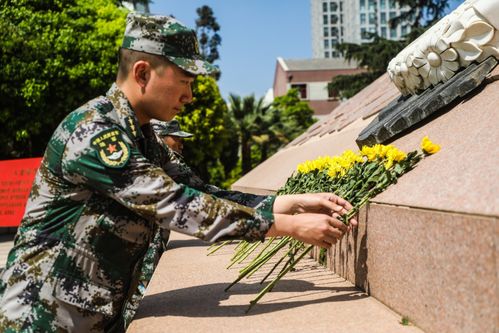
[[167, 91], [174, 142]]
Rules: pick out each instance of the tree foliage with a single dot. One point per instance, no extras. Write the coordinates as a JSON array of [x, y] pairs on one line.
[[208, 119], [374, 56], [291, 116], [207, 29], [420, 13], [54, 56], [263, 129]]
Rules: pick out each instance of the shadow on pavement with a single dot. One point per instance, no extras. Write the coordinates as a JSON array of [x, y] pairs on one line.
[[206, 300]]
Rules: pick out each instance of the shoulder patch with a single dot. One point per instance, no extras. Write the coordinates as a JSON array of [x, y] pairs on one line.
[[112, 150]]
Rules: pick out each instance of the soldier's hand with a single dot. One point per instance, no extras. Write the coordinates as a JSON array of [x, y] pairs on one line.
[[326, 203], [312, 228]]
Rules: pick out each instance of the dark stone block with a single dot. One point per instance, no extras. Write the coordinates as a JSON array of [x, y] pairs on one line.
[[405, 113]]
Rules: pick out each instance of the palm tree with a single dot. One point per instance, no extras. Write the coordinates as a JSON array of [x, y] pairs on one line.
[[249, 114]]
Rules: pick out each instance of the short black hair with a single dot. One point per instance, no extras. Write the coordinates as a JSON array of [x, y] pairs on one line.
[[127, 58]]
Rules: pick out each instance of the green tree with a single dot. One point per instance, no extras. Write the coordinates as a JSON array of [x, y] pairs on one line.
[[207, 118], [373, 56], [290, 116], [207, 29], [263, 129], [248, 113], [54, 56], [420, 13]]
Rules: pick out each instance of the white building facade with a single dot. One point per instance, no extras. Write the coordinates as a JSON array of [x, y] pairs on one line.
[[350, 21]]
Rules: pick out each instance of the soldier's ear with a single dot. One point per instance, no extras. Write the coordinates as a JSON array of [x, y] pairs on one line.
[[141, 73]]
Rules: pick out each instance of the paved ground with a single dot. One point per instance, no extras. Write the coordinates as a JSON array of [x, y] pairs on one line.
[[187, 295]]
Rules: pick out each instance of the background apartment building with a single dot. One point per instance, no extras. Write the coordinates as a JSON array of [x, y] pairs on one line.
[[338, 21]]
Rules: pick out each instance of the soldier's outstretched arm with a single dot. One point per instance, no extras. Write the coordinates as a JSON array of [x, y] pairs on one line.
[[327, 203], [145, 189], [176, 167]]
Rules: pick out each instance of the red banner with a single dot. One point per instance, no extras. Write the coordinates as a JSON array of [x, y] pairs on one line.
[[16, 178]]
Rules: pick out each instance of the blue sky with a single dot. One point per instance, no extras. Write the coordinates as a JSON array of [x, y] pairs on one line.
[[254, 33]]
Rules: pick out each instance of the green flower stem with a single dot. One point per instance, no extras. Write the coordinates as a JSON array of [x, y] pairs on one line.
[[256, 265], [238, 255], [269, 242], [279, 262], [272, 284], [250, 251], [218, 247]]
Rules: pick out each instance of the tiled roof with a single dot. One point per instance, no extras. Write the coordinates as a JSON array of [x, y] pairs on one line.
[[366, 103]]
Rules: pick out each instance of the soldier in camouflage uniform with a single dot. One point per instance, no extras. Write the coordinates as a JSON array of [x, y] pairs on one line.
[[180, 172], [171, 134], [102, 191]]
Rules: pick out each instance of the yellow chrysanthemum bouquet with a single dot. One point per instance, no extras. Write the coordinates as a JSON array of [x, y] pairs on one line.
[[355, 176]]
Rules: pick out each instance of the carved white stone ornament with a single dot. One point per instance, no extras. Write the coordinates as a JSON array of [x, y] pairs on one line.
[[469, 33]]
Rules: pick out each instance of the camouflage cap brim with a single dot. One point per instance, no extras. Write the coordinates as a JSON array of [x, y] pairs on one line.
[[181, 134], [194, 66]]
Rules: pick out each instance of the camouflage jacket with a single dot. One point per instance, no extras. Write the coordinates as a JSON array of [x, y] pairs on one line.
[[94, 207], [181, 173]]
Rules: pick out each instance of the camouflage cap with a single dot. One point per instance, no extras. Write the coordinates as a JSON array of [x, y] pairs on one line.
[[165, 36], [170, 128]]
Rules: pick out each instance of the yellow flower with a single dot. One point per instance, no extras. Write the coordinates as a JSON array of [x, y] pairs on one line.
[[369, 152], [388, 163], [429, 147], [396, 154]]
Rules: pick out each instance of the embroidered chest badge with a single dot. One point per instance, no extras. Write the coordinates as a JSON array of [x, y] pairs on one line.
[[112, 150]]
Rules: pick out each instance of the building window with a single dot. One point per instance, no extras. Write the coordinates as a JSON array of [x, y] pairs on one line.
[[326, 54], [333, 6], [383, 18], [326, 43], [393, 33], [362, 4], [383, 32], [372, 18], [324, 19], [342, 32], [341, 6], [334, 32], [392, 4], [363, 33], [335, 54], [326, 31], [372, 5], [341, 18], [334, 42], [392, 15], [382, 4], [404, 30], [324, 7], [334, 19], [302, 90], [362, 18]]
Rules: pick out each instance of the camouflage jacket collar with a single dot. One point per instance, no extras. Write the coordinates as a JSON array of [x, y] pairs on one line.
[[124, 112]]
